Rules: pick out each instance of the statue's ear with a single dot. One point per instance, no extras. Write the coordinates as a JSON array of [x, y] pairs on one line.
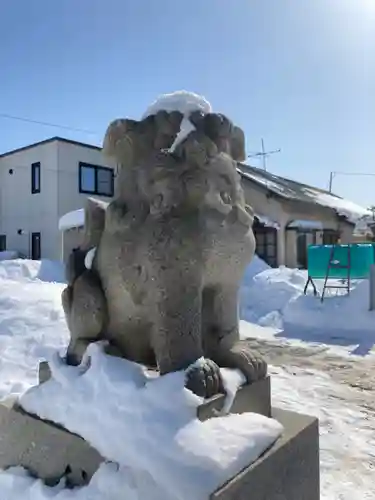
[[197, 119], [237, 144], [168, 123], [118, 141], [217, 125], [94, 222], [167, 126]]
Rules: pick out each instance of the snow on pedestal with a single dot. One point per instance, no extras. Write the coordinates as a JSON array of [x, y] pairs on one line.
[[184, 102], [147, 425]]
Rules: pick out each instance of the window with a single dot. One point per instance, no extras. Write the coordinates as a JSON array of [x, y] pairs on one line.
[[330, 237], [3, 242], [96, 180], [35, 178]]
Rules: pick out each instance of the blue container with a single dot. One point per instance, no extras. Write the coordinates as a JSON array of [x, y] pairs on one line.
[[361, 258]]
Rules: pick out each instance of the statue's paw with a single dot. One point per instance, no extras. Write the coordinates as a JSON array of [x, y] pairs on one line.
[[204, 379], [250, 363]]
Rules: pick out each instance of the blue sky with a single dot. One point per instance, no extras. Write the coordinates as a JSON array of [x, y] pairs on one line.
[[299, 73]]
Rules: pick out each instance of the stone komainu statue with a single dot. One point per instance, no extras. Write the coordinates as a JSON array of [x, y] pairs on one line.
[[171, 250]]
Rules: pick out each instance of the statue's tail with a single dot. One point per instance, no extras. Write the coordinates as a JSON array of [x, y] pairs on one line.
[[94, 223]]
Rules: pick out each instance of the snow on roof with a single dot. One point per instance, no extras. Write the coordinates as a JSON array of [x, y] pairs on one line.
[[263, 219], [346, 208], [292, 190], [305, 224], [184, 102], [72, 219]]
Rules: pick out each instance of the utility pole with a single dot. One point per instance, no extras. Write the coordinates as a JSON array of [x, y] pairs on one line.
[[264, 155], [331, 176]]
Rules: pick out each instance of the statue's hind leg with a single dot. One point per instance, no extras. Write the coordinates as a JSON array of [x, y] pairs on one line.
[[85, 310]]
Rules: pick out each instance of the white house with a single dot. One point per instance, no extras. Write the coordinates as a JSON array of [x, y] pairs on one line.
[[42, 182]]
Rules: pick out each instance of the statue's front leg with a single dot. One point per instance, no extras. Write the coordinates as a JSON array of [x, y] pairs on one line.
[[176, 334], [221, 336]]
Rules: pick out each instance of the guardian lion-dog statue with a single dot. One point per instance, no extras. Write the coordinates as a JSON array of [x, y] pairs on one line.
[[169, 253]]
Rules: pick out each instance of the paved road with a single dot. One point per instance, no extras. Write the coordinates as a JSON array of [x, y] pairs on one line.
[[354, 371]]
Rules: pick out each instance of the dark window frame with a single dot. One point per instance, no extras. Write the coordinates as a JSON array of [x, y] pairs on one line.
[[35, 173], [36, 251], [3, 242], [266, 242], [96, 169]]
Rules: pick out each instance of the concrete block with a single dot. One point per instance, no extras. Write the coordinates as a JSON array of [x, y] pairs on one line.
[[255, 398], [289, 470], [45, 449]]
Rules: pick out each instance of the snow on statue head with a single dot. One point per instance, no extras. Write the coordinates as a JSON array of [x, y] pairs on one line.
[[163, 283]]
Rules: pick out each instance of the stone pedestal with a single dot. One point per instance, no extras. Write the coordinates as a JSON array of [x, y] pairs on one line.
[[289, 470], [45, 449]]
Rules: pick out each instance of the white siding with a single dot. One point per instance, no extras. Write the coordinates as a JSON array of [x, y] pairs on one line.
[[20, 209]]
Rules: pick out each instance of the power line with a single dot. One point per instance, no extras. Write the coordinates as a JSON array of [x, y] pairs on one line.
[[333, 174], [47, 124]]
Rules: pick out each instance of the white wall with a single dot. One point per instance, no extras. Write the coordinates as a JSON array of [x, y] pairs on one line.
[[19, 208]]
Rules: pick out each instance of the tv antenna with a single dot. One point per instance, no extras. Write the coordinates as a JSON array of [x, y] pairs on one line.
[[264, 155]]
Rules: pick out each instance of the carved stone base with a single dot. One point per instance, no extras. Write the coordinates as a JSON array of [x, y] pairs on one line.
[[45, 449]]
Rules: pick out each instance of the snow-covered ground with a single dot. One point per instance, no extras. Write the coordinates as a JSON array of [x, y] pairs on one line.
[[274, 298], [321, 358]]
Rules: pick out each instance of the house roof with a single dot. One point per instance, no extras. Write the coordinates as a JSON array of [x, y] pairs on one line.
[[292, 190], [46, 141]]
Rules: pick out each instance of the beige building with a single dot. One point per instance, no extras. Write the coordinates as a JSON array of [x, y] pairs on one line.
[[40, 183], [290, 216]]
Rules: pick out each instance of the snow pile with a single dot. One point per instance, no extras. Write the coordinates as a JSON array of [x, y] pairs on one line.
[[266, 294], [184, 102], [32, 323], [76, 218], [346, 208], [24, 269], [148, 424], [274, 298], [8, 255]]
